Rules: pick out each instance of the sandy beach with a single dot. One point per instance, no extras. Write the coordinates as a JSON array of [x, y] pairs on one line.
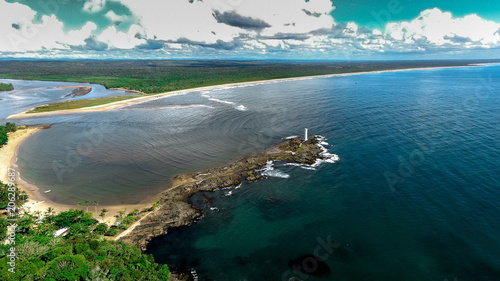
[[149, 97], [36, 200]]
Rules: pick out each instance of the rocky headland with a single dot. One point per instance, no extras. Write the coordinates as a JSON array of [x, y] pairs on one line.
[[174, 210]]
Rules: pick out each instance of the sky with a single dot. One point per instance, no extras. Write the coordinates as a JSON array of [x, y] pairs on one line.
[[250, 29]]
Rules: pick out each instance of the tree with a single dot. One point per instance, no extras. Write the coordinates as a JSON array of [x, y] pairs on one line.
[[50, 211], [87, 204], [103, 213], [95, 205], [101, 228], [11, 127]]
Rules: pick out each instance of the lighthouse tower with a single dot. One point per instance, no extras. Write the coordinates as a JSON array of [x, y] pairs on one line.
[[305, 135]]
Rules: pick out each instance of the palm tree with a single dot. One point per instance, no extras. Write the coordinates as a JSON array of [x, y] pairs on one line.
[[87, 204], [95, 205], [49, 211], [79, 203], [103, 213]]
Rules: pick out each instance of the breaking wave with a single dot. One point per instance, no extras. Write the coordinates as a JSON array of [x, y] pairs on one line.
[[270, 171]]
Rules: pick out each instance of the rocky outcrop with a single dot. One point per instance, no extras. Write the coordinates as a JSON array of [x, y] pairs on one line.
[[174, 209]]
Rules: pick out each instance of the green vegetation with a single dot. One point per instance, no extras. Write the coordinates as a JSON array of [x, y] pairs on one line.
[[82, 253], [4, 130], [159, 76], [80, 103], [6, 87]]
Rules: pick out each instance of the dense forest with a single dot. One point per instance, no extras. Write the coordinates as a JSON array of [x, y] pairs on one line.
[[158, 76], [31, 250]]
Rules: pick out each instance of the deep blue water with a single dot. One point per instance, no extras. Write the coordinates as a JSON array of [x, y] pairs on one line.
[[414, 195]]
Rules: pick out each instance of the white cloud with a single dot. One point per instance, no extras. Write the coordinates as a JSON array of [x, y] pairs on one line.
[[94, 6], [438, 28], [179, 19], [288, 16], [212, 21], [121, 40], [22, 33], [116, 19], [259, 26]]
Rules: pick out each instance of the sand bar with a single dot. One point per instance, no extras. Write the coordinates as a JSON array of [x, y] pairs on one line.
[[149, 97]]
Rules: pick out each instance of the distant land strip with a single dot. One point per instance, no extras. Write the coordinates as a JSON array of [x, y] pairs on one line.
[[154, 79]]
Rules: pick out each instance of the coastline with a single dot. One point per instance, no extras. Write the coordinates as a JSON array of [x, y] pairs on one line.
[[36, 200], [149, 97], [176, 211]]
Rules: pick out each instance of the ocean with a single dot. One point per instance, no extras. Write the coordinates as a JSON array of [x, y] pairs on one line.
[[413, 196]]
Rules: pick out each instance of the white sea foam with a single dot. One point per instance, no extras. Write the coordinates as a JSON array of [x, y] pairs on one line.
[[270, 171], [194, 274], [229, 193], [303, 166], [241, 108], [291, 137], [325, 155]]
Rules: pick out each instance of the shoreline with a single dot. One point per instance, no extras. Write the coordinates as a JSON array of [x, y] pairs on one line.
[[149, 97], [37, 201], [175, 210]]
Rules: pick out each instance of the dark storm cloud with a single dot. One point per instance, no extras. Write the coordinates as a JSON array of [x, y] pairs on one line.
[[234, 19], [309, 13], [218, 45]]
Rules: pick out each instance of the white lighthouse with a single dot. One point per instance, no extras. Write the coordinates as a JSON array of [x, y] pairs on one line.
[[305, 135]]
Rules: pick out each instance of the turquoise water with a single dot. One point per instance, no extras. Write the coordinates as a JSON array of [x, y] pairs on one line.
[[414, 196]]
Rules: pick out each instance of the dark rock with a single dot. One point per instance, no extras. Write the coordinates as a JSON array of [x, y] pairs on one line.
[[175, 211]]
